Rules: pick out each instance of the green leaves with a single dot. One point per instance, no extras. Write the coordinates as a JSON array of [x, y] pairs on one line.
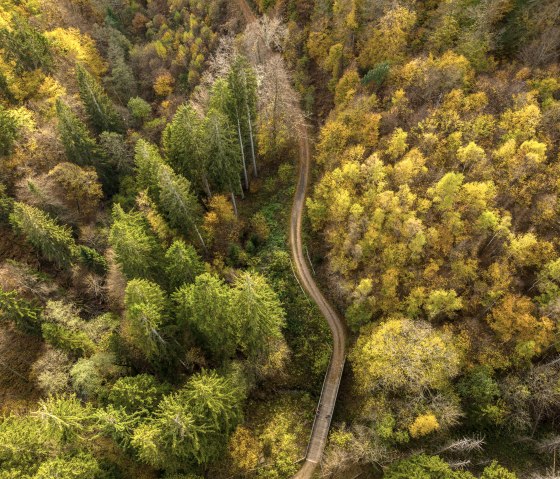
[[145, 305], [53, 241], [248, 317], [192, 425], [101, 112], [136, 248], [79, 145], [8, 132]]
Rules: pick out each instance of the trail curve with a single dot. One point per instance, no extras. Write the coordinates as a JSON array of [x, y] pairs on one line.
[[327, 401]]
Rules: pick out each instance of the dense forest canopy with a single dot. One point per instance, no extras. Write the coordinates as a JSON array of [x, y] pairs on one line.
[[151, 320]]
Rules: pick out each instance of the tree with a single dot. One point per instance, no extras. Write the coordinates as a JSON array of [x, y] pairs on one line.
[[137, 394], [63, 328], [121, 80], [116, 160], [137, 250], [52, 371], [101, 112], [443, 303], [495, 471], [145, 314], [204, 307], [388, 41], [23, 313], [8, 132], [91, 375], [25, 443], [25, 46], [424, 425], [170, 191], [221, 225], [53, 241], [191, 426], [242, 105], [223, 164], [258, 311], [401, 354], [424, 467], [81, 466], [244, 450], [79, 187], [65, 418], [514, 321], [183, 264], [185, 146], [140, 110], [178, 203], [79, 146]]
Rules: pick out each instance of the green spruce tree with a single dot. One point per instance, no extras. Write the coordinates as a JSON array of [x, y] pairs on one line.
[[101, 112]]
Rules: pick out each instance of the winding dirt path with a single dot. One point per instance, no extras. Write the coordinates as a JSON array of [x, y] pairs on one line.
[[327, 401]]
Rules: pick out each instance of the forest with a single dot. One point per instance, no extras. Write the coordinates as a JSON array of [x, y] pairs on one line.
[[154, 319]]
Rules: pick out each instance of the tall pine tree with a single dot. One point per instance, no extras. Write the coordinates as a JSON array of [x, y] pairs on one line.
[[78, 144], [185, 146], [52, 240], [101, 111]]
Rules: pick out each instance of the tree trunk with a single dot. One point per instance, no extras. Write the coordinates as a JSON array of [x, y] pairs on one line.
[[249, 121], [207, 187], [200, 238], [234, 202], [241, 188], [242, 154]]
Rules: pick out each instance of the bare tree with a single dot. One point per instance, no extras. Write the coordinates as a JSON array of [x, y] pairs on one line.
[[464, 445], [264, 37]]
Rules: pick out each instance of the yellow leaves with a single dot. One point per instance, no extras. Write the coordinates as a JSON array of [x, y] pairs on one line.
[[446, 191], [451, 69], [412, 165], [163, 84], [521, 124], [160, 49], [388, 41], [346, 87], [24, 118], [401, 353], [471, 154], [397, 144], [244, 449], [51, 89], [528, 250], [332, 142], [318, 45], [423, 425], [514, 320], [80, 46]]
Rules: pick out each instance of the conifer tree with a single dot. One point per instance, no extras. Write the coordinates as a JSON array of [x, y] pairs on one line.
[[145, 306], [52, 240], [23, 45], [258, 311], [185, 146], [182, 264], [170, 191], [8, 132], [242, 106], [78, 143], [136, 248], [178, 203], [101, 112], [223, 164], [192, 425], [204, 307]]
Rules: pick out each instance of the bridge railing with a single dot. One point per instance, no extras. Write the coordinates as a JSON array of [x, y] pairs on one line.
[[320, 403]]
